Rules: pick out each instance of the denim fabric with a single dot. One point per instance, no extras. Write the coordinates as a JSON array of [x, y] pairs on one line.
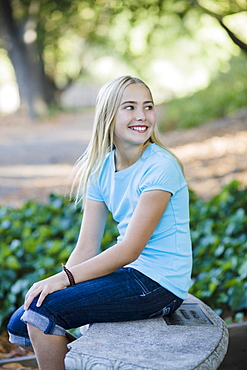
[[124, 295]]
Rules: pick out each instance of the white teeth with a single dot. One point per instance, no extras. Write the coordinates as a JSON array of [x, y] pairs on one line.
[[139, 128]]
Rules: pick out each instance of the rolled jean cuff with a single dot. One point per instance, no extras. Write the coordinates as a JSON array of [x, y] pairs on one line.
[[20, 340], [43, 323]]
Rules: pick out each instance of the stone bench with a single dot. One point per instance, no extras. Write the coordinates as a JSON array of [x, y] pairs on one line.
[[194, 337]]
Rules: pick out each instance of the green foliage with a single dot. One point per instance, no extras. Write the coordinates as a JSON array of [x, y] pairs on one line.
[[225, 94], [219, 236], [37, 238]]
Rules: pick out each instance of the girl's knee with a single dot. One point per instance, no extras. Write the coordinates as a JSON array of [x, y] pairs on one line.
[[15, 324], [18, 330]]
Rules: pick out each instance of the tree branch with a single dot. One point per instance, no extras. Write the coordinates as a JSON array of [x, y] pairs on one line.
[[219, 18], [234, 38]]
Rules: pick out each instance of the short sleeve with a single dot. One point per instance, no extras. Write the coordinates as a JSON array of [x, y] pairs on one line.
[[93, 192], [164, 174]]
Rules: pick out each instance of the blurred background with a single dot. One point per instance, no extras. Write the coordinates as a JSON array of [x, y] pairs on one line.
[[58, 53], [54, 57]]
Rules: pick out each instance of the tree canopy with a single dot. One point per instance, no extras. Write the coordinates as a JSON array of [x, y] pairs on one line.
[[53, 43]]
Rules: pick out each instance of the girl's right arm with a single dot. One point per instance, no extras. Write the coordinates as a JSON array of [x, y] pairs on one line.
[[91, 233], [88, 245]]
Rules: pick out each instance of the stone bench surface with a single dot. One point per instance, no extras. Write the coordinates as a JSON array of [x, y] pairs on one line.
[[194, 337]]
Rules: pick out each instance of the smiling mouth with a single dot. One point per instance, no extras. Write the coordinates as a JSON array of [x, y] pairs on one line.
[[139, 128]]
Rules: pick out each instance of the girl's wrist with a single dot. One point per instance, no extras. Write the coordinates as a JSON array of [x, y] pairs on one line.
[[68, 276], [65, 280]]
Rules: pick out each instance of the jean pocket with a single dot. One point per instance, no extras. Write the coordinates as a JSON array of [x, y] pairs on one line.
[[139, 279], [169, 309]]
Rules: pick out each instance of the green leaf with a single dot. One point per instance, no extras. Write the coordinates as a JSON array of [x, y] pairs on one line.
[[12, 262], [238, 297], [243, 270]]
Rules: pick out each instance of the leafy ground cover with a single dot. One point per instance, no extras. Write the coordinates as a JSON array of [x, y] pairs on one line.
[[219, 236]]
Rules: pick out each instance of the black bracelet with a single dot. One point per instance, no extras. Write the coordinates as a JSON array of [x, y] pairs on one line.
[[70, 276]]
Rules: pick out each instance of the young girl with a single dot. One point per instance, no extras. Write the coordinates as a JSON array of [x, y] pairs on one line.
[[128, 171]]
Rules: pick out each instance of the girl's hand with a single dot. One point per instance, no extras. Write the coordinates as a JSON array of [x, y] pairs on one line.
[[45, 287]]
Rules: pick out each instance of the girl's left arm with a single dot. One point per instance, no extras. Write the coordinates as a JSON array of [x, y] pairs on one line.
[[148, 212]]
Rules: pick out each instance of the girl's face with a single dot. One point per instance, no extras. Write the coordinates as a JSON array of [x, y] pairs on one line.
[[135, 119]]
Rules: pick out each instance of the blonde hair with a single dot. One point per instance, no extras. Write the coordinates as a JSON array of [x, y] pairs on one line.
[[107, 103]]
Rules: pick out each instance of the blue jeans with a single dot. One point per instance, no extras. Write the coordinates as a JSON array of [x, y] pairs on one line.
[[124, 295]]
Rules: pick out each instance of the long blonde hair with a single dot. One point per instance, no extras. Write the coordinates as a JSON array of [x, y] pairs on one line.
[[101, 143]]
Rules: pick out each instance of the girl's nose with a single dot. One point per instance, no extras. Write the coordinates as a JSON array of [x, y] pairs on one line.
[[140, 115]]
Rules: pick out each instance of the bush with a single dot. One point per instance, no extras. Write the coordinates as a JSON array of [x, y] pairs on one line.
[[225, 94], [219, 236], [37, 238]]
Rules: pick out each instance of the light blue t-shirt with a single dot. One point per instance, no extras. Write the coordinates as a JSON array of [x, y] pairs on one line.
[[167, 257]]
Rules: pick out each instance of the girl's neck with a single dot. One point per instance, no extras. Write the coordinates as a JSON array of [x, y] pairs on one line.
[[125, 158]]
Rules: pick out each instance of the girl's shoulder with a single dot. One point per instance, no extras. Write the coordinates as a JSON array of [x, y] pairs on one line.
[[159, 158], [154, 152]]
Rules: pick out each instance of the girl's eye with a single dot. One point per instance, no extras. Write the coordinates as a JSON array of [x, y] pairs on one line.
[[129, 107], [149, 107]]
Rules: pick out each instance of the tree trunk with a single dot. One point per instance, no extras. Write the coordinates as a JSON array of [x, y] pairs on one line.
[[35, 94]]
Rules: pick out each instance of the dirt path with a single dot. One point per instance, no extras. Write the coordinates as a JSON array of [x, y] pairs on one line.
[[36, 158]]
